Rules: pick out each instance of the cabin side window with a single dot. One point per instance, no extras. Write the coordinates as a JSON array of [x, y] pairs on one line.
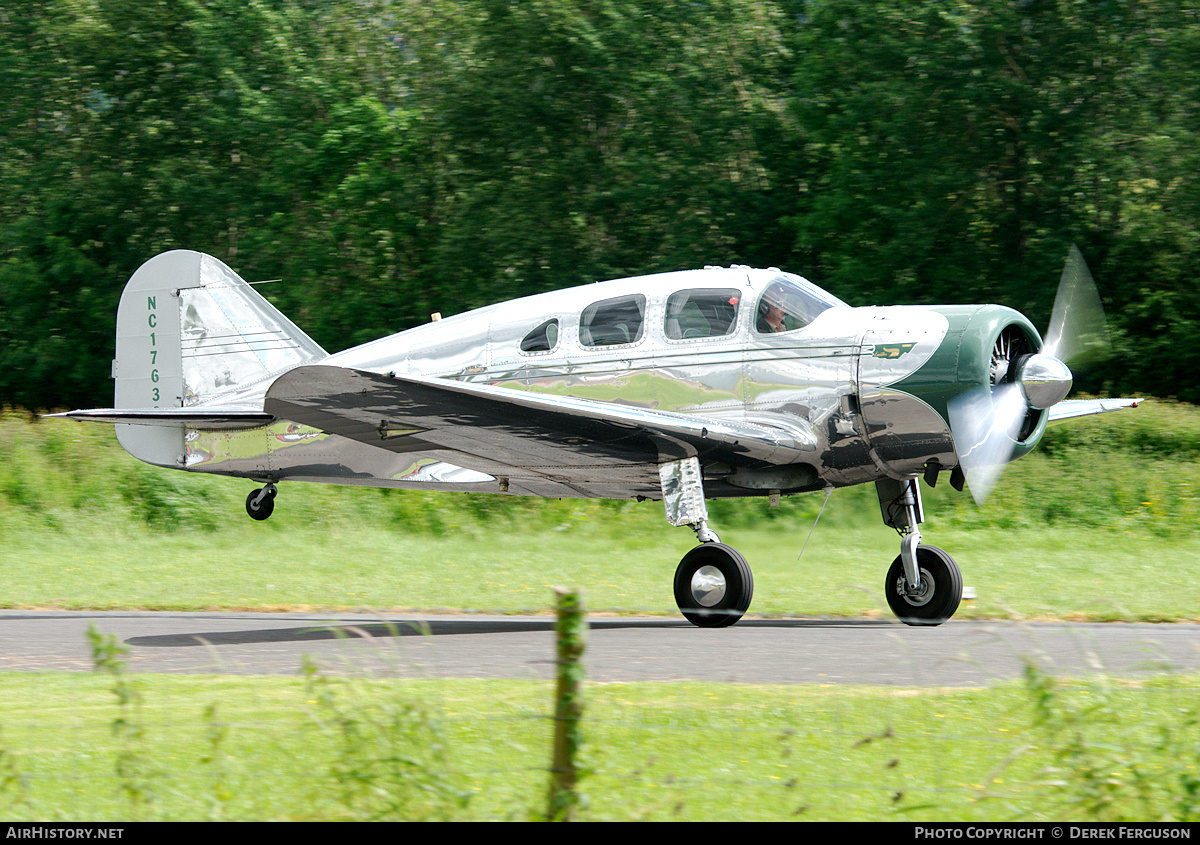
[[612, 321], [542, 339], [701, 313]]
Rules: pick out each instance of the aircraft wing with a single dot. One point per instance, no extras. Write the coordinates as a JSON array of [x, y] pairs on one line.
[[579, 443], [1069, 408]]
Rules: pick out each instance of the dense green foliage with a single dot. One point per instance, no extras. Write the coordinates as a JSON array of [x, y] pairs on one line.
[[1133, 469], [390, 158]]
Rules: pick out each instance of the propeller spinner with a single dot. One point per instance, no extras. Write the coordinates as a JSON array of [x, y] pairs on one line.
[[988, 421]]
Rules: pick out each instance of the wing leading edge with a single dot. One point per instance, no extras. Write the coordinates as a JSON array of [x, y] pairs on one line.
[[516, 434]]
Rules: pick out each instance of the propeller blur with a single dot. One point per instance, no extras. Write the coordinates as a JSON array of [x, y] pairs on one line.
[[986, 421]]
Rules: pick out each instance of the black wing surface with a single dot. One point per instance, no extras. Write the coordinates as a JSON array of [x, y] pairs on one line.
[[542, 444]]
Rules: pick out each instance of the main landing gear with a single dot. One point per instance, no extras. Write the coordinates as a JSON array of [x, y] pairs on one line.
[[937, 594], [261, 503], [923, 584], [714, 585]]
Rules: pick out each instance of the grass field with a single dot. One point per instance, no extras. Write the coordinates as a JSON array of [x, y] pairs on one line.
[[1065, 573], [1100, 524]]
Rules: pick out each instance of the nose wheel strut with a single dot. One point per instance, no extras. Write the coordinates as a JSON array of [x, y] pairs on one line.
[[923, 585]]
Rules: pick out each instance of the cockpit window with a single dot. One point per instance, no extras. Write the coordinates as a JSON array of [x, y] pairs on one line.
[[791, 303], [612, 321], [701, 313], [542, 339]]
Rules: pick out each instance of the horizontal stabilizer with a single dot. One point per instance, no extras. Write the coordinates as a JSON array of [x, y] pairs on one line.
[[1069, 408], [210, 418]]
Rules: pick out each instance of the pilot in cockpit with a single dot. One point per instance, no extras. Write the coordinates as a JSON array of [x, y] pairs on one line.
[[771, 310]]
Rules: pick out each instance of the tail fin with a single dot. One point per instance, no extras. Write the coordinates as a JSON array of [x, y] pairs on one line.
[[190, 331]]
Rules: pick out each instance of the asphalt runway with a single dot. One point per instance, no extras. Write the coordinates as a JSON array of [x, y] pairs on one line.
[[783, 651]]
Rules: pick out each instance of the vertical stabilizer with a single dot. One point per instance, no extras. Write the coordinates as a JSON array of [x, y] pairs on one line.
[[190, 331]]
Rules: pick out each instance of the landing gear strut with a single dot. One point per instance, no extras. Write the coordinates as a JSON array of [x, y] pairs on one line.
[[713, 582], [260, 503], [924, 585]]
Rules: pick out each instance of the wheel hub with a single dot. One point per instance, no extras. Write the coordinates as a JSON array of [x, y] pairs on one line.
[[708, 586], [920, 596]]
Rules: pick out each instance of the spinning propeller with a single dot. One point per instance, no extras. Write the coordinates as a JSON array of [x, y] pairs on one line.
[[987, 422]]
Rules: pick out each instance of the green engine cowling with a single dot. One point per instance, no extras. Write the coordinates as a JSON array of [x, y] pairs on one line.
[[982, 348], [915, 365]]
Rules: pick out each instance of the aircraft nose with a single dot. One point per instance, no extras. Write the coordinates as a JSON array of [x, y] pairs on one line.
[[1045, 380]]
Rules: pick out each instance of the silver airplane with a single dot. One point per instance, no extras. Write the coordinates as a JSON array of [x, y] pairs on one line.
[[680, 386]]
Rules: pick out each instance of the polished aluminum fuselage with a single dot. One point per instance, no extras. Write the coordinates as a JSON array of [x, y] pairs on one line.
[[831, 384]]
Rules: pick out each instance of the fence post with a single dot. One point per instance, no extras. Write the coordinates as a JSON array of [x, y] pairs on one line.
[[570, 632]]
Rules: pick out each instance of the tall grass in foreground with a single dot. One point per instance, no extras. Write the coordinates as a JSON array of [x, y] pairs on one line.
[[119, 747]]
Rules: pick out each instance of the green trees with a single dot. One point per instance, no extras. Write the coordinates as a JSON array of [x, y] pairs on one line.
[[951, 136], [389, 158], [139, 127], [963, 146], [587, 140]]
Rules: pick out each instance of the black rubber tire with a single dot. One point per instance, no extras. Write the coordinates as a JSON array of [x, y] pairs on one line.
[[738, 586], [264, 508], [938, 601]]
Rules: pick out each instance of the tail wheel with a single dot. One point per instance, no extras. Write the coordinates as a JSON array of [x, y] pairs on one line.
[[261, 503], [713, 586], [939, 594]]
